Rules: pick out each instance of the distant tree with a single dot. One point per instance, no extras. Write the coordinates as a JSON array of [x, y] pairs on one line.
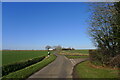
[[48, 47], [73, 49], [68, 49]]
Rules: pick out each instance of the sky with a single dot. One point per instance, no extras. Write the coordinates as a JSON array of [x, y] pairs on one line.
[[31, 25], [60, 0]]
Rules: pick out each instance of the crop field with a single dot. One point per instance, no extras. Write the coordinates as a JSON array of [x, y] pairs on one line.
[[13, 56], [75, 52], [78, 51]]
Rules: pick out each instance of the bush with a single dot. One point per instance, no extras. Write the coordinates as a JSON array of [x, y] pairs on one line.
[[98, 58], [115, 61], [6, 69], [95, 57]]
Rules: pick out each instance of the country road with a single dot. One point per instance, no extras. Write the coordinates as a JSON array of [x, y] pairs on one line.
[[62, 67]]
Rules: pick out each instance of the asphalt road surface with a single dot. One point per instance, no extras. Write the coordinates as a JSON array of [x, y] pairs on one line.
[[62, 67]]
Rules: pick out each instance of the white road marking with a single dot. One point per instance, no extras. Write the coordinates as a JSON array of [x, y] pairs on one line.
[[73, 62]]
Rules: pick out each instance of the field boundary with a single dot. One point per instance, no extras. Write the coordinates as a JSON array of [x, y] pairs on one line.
[[6, 69]]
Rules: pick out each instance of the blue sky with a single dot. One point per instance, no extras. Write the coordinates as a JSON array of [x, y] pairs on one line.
[[35, 25], [60, 0]]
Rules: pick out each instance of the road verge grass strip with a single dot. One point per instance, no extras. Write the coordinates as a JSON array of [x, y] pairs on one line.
[[85, 70], [26, 72]]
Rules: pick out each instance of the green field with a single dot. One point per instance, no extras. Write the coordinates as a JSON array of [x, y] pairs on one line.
[[13, 56], [85, 70], [76, 51]]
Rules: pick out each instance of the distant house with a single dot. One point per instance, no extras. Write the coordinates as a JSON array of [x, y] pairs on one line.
[[50, 49]]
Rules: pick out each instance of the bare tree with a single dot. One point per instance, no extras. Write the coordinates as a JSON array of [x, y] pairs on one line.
[[105, 29]]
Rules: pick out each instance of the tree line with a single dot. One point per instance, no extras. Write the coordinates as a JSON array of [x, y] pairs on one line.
[[58, 48]]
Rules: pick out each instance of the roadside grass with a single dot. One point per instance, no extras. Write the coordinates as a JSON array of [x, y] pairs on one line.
[[85, 70], [74, 57], [26, 72], [13, 56]]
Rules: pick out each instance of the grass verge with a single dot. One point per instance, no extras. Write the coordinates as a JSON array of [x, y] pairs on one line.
[[85, 70], [74, 57], [26, 72]]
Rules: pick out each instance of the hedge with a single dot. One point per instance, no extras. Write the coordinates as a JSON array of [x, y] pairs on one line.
[[26, 72], [96, 57], [6, 69]]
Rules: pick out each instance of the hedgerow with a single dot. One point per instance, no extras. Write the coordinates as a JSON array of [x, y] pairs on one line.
[[6, 69], [97, 58]]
